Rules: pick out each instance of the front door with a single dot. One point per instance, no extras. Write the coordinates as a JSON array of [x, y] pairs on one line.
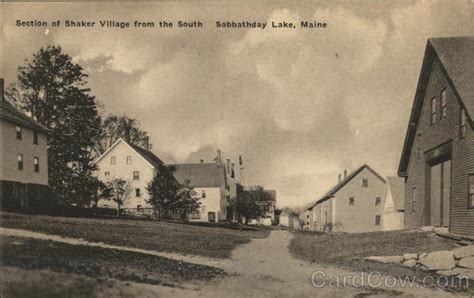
[[440, 193], [211, 216]]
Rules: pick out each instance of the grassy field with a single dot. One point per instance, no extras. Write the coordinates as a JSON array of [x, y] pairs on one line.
[[33, 254], [194, 239], [348, 250]]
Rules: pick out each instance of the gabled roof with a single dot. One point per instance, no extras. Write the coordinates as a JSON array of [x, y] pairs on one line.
[[341, 184], [148, 155], [397, 188], [201, 174], [151, 158], [9, 113], [456, 58]]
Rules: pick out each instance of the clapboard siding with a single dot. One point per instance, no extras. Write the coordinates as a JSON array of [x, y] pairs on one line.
[[430, 136]]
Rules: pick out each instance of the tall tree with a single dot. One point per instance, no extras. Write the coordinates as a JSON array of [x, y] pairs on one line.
[[163, 190], [120, 189], [52, 89], [120, 126], [250, 204]]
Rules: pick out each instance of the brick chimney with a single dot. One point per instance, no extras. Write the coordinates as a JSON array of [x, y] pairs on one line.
[[339, 178], [345, 174], [219, 156], [227, 166], [232, 172]]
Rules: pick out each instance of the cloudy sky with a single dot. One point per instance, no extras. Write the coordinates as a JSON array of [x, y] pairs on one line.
[[299, 105]]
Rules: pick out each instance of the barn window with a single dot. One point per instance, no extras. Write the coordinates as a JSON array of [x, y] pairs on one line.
[[471, 190], [351, 201], [129, 160], [377, 220], [365, 182], [35, 137], [433, 110], [18, 133], [443, 103], [113, 160], [462, 127], [20, 162], [413, 199], [378, 201], [36, 164]]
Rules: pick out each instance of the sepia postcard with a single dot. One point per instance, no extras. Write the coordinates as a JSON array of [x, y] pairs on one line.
[[237, 148]]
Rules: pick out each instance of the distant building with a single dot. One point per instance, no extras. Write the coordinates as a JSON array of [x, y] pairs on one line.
[[134, 164], [437, 160], [209, 181], [267, 207], [289, 219], [23, 158], [393, 213], [353, 205]]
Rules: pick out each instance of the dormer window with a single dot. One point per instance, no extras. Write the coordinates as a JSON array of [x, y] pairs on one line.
[[433, 110], [443, 103]]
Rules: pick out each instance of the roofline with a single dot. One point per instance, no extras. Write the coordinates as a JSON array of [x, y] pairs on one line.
[[35, 126], [115, 144], [341, 184], [430, 49]]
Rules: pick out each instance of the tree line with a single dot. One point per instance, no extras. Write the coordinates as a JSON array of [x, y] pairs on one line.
[[53, 90]]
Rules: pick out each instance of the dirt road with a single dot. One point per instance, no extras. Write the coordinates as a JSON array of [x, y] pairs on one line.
[[265, 268]]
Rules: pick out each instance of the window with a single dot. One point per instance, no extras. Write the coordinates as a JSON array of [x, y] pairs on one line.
[[106, 174], [136, 175], [419, 153], [433, 110], [377, 220], [139, 207], [129, 160], [18, 133], [203, 194], [35, 137], [471, 190], [365, 182], [443, 104], [36, 164], [137, 192], [307, 216], [462, 127], [113, 160], [351, 201], [378, 201], [413, 199], [20, 161]]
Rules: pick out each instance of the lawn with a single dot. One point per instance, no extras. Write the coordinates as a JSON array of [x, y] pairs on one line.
[[100, 263], [348, 250], [194, 239]]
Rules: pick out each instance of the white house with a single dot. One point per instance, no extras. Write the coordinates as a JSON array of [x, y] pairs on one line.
[[134, 164], [209, 182], [394, 205]]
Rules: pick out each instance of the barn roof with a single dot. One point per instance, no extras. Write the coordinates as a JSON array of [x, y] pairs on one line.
[[344, 181], [201, 174], [456, 57], [397, 187]]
